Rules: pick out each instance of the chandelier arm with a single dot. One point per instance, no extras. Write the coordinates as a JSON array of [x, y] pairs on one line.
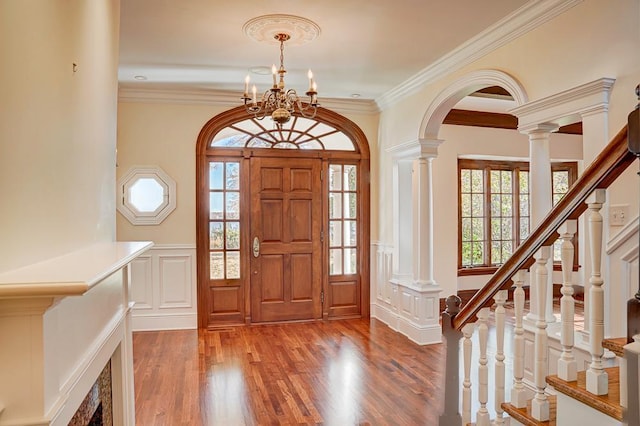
[[309, 108]]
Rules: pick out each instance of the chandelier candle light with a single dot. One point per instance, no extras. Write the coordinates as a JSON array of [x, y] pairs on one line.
[[278, 101]]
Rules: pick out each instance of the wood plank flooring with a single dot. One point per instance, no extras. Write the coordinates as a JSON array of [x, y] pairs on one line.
[[351, 372]]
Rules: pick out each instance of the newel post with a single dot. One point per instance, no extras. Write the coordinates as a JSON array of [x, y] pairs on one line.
[[451, 415]]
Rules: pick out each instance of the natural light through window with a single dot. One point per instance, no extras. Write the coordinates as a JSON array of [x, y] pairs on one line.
[[299, 133], [343, 225], [494, 208], [224, 220]]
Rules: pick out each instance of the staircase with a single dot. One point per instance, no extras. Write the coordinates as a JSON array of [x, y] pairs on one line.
[[589, 387]]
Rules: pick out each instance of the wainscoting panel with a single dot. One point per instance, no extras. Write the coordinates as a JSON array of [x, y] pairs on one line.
[[163, 286], [408, 309], [175, 271], [142, 275]]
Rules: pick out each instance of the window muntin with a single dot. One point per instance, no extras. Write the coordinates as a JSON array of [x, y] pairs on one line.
[[299, 133], [494, 208], [343, 219], [224, 220]]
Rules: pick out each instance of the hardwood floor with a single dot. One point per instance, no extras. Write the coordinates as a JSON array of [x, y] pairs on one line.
[[351, 372]]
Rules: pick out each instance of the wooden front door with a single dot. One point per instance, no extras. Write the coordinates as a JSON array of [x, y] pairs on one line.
[[286, 249]]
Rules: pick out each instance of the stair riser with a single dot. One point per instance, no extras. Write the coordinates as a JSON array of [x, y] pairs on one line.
[[574, 412]]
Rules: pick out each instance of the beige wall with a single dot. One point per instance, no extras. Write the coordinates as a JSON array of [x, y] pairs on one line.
[[594, 39], [57, 127], [165, 134]]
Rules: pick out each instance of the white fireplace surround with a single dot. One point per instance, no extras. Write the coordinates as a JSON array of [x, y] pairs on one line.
[[61, 321]]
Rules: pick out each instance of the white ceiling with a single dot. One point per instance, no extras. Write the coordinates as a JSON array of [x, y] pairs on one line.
[[365, 47]]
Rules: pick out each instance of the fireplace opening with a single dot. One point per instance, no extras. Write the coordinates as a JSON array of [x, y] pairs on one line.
[[96, 419], [96, 408]]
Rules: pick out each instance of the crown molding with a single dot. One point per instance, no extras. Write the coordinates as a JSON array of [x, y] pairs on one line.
[[178, 96], [229, 99], [518, 23]]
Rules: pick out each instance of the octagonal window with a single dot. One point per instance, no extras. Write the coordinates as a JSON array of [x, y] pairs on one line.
[[146, 195]]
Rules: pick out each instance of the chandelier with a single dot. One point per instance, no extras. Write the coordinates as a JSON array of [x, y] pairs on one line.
[[278, 102]]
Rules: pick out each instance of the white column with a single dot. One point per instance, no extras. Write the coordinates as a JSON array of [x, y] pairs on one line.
[[567, 367], [423, 272], [540, 404], [403, 219], [540, 201], [597, 379]]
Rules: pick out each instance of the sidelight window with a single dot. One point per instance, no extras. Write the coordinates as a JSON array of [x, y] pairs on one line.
[[343, 219], [224, 220]]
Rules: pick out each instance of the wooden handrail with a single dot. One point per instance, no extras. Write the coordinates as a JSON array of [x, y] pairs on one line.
[[605, 169]]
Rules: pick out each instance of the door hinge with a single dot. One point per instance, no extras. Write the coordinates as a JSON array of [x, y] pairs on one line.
[[321, 175], [321, 236], [322, 297]]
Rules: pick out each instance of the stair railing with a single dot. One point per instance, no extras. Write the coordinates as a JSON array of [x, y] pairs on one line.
[[587, 193]]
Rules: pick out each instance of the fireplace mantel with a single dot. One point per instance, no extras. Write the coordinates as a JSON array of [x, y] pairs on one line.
[[61, 321], [72, 274]]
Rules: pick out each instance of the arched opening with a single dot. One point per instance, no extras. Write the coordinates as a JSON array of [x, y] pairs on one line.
[[444, 261], [282, 219]]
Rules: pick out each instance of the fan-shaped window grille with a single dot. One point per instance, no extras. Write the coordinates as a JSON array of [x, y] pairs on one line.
[[299, 133]]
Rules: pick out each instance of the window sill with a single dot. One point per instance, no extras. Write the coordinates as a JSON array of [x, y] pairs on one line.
[[490, 270]]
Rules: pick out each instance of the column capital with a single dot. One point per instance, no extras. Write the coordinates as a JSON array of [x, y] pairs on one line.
[[429, 147], [539, 128]]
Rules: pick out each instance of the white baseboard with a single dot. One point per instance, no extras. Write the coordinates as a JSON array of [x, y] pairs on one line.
[[419, 334], [165, 321]]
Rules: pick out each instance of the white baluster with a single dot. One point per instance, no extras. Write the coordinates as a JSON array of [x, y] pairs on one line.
[[500, 298], [540, 404], [597, 379], [467, 332], [482, 417], [519, 394], [567, 367]]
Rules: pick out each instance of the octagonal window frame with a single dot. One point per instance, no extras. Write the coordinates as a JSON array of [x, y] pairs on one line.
[[127, 207]]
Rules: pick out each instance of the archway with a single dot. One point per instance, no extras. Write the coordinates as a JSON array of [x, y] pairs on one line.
[[452, 94]]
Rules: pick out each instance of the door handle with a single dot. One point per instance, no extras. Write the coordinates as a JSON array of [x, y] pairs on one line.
[[256, 247]]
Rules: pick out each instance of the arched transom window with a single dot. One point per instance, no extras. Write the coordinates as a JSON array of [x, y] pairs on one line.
[[300, 133]]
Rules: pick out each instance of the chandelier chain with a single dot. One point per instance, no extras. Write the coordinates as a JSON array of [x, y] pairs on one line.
[[281, 54]]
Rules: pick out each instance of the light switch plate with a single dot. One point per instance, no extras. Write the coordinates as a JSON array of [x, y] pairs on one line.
[[618, 214]]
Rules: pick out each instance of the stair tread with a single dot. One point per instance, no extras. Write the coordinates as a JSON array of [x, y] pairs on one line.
[[523, 415], [615, 345], [608, 404]]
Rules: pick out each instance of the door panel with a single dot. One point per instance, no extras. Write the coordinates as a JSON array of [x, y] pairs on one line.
[[301, 217], [301, 267], [272, 290], [286, 215]]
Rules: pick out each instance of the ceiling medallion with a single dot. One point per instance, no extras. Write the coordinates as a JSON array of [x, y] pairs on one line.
[[278, 102], [266, 29]]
